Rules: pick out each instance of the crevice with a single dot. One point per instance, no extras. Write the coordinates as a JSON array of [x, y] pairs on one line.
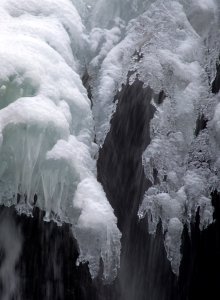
[[145, 271]]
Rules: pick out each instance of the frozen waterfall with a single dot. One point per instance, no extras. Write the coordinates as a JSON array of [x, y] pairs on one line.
[[47, 129], [109, 119]]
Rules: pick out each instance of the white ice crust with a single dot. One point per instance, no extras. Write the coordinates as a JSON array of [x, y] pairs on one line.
[[47, 128], [46, 121], [172, 46]]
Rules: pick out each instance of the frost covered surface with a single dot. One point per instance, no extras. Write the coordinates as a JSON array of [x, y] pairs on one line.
[[184, 162], [162, 47], [171, 46], [46, 127]]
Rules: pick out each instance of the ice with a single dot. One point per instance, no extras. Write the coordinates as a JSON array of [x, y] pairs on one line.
[[173, 243], [184, 162], [102, 13], [47, 134], [161, 60], [48, 125], [91, 220], [172, 46], [201, 14], [174, 54]]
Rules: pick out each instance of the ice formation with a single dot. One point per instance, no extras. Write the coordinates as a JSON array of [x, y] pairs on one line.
[[172, 46], [47, 134], [46, 127], [182, 155]]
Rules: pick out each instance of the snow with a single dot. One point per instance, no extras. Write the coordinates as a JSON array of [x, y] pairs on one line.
[[177, 43], [184, 162], [47, 127]]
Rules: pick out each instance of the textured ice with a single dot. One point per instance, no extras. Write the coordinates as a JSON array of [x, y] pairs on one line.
[[103, 13], [184, 162], [162, 47], [171, 46], [47, 129]]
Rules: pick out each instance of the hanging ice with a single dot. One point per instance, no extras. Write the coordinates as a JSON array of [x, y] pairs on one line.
[[172, 46], [46, 127], [46, 123], [185, 57]]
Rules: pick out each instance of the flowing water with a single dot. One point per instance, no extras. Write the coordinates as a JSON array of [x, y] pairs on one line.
[[109, 150]]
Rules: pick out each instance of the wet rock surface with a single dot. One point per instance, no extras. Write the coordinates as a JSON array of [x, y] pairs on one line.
[[145, 272]]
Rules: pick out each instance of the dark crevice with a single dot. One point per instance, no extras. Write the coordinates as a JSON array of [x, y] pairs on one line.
[[145, 272], [201, 124], [86, 82], [216, 82]]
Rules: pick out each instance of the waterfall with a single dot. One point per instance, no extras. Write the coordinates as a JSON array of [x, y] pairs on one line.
[[109, 143]]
